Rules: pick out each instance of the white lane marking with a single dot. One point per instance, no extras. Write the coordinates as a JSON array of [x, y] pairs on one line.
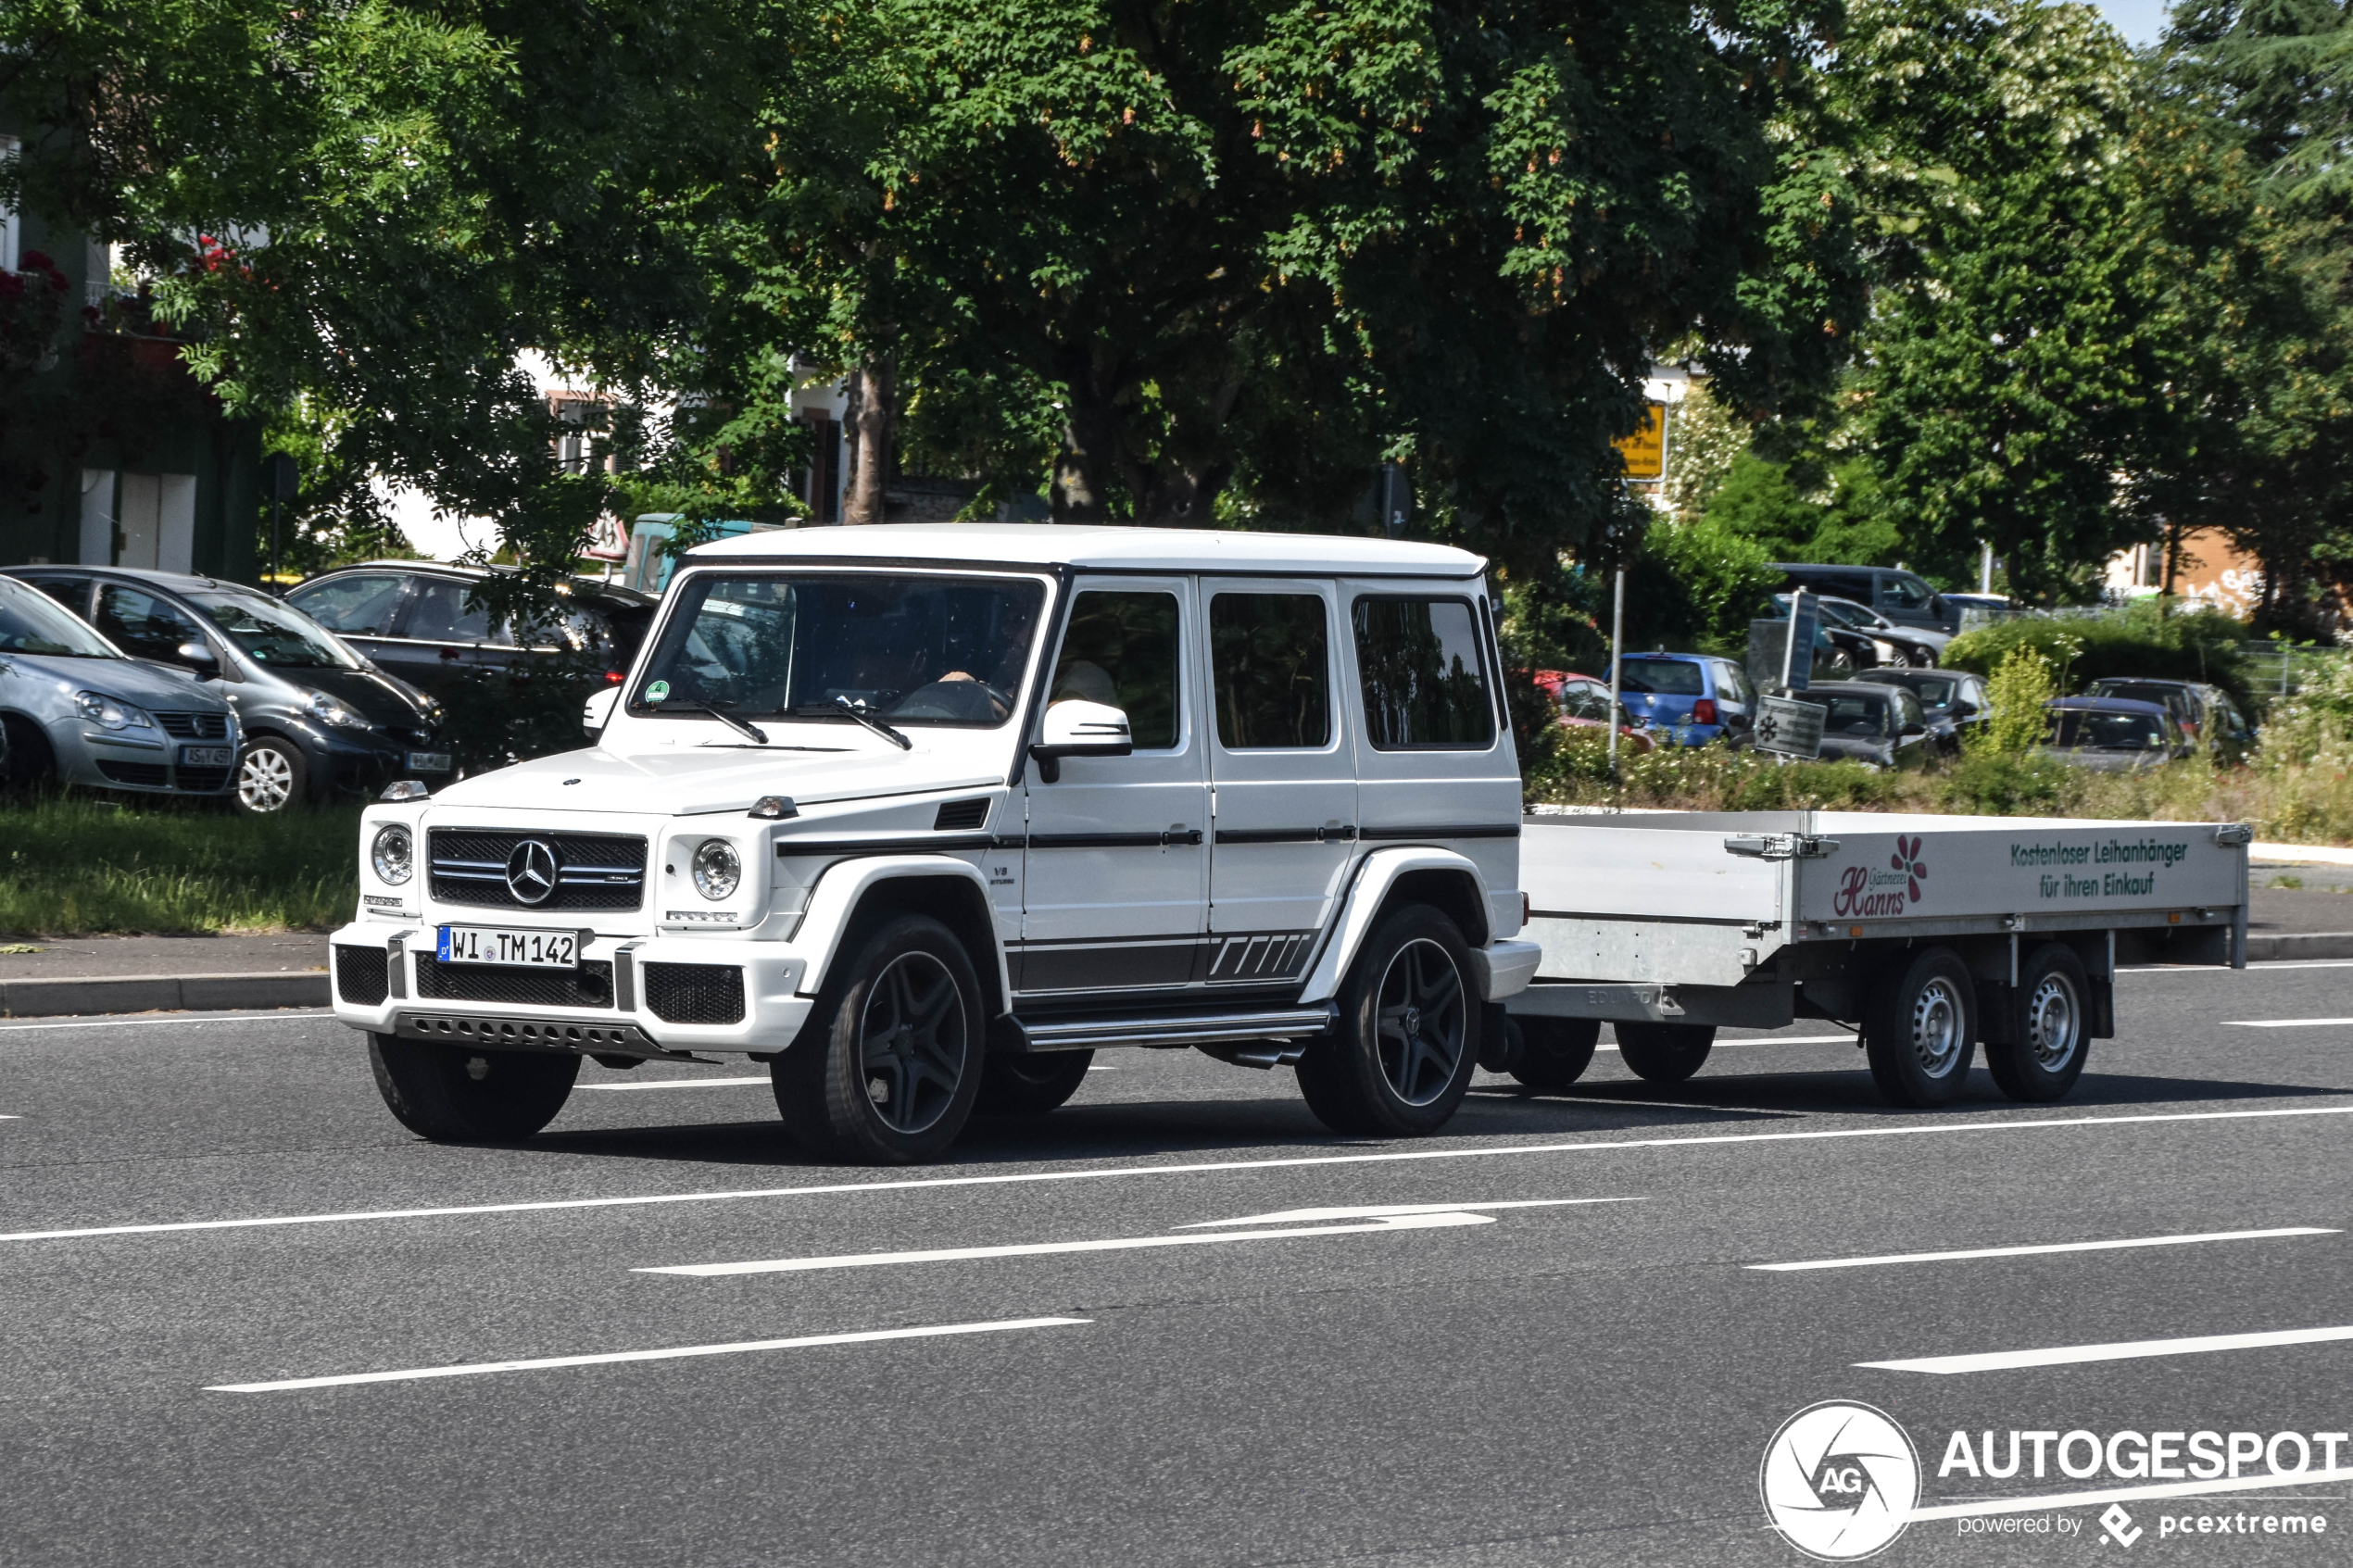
[[671, 1353], [1047, 1249], [2126, 1350], [2285, 1023], [1987, 1124], [2134, 1494], [683, 1083], [141, 1021], [1378, 1211], [2029, 1251], [1102, 1069], [2218, 968]]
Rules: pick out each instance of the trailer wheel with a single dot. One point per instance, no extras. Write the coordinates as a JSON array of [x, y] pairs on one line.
[[887, 1068], [1554, 1052], [1399, 1057], [1920, 1029], [1030, 1085], [1663, 1053], [456, 1094], [2051, 1031]]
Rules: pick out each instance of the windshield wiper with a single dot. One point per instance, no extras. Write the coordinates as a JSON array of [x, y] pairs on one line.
[[858, 713], [739, 725]]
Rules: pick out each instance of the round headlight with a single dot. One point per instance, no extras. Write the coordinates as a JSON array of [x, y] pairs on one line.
[[393, 854], [110, 714], [717, 869]]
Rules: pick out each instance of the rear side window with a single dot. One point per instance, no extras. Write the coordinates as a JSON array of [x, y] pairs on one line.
[[1122, 649], [1271, 657], [1903, 593], [1424, 684], [1732, 684], [1669, 677], [362, 605]]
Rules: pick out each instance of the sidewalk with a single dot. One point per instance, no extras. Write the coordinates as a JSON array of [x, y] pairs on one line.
[[104, 974]]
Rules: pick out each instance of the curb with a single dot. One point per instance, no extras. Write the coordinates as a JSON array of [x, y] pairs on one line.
[[2298, 854], [2300, 945], [69, 996]]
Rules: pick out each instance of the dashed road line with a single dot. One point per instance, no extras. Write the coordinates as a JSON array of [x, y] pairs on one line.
[[2126, 1351], [2031, 1251]]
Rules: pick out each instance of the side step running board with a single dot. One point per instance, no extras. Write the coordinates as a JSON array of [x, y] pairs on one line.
[[1181, 1029]]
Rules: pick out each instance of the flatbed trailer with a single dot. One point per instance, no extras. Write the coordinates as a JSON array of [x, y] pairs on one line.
[[1929, 935]]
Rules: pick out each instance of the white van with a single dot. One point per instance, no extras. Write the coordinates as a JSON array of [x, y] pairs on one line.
[[922, 816]]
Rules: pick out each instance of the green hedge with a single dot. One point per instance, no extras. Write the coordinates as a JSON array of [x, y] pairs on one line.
[[2197, 645]]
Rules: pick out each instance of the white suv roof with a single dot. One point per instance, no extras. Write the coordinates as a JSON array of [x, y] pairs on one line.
[[1118, 549]]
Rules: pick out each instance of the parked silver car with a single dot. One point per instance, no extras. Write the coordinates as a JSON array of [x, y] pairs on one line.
[[78, 710]]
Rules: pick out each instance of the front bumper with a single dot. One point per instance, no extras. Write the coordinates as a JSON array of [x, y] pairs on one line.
[[145, 762], [631, 995]]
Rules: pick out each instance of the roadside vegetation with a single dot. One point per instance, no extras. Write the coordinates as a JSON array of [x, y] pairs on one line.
[[76, 865]]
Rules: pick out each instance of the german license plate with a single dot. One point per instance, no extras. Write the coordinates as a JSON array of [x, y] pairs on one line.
[[429, 761], [205, 756], [515, 949]]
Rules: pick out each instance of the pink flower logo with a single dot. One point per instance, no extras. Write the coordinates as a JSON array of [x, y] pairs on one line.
[[1906, 860]]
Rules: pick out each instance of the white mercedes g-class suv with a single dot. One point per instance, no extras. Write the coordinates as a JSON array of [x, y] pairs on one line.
[[922, 816]]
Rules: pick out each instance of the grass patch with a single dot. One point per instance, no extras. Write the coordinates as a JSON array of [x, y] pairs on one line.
[[79, 866]]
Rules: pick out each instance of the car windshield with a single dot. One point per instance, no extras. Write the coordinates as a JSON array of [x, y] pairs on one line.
[[1852, 714], [1670, 677], [908, 649], [1932, 691], [274, 634], [2106, 731], [32, 622]]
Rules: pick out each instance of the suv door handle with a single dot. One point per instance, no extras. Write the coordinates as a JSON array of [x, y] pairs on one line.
[[1180, 836]]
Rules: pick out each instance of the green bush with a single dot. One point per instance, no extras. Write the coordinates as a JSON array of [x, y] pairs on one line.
[[2139, 640]]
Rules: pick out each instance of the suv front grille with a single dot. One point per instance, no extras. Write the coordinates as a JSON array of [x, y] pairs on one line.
[[362, 974], [593, 870], [695, 992], [194, 726], [590, 986]]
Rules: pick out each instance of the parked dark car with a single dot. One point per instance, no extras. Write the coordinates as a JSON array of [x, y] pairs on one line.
[[1892, 645], [1881, 726], [421, 621], [1894, 592], [1688, 698], [2206, 712], [1838, 652], [1583, 703], [1955, 702], [2113, 735], [318, 717]]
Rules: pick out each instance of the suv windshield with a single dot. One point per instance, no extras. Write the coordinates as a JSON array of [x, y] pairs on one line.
[[913, 650], [273, 635], [32, 623]]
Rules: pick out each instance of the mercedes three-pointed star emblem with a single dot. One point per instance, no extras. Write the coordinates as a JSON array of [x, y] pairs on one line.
[[531, 866]]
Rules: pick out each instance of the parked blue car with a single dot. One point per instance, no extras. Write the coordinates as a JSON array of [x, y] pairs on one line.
[[1688, 698]]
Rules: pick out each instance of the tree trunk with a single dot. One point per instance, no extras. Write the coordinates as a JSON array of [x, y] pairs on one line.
[[872, 421]]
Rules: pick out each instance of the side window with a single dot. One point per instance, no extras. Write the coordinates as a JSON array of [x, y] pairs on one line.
[[1271, 655], [1732, 684], [141, 624], [1582, 699], [1122, 649], [442, 614], [1423, 684], [1903, 593], [1908, 712], [71, 591], [362, 605]]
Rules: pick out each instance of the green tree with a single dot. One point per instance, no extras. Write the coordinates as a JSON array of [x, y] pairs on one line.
[[2018, 693]]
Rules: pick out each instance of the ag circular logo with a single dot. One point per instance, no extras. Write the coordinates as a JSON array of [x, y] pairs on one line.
[[1840, 1481]]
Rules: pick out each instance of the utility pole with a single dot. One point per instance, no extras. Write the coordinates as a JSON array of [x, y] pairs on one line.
[[280, 478], [1617, 655]]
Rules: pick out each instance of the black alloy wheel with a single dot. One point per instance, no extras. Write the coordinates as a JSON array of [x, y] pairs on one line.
[[1401, 1055]]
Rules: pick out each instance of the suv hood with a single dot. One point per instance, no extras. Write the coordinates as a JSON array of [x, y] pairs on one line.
[[150, 686], [694, 780]]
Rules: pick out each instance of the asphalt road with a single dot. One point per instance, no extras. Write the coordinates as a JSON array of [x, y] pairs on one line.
[[1591, 1376]]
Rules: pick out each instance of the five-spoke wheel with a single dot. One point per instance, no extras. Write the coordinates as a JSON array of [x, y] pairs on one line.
[[1399, 1058]]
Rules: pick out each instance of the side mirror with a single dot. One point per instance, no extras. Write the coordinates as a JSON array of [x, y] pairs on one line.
[[597, 712], [1916, 729], [197, 657], [1078, 728]]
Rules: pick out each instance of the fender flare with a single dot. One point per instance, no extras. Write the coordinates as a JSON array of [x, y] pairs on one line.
[[1376, 875], [842, 885]]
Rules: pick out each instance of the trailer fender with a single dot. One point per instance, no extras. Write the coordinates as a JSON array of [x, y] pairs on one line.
[[1463, 896], [848, 886]]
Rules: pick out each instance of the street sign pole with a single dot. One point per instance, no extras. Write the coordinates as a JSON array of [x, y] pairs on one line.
[[1617, 643], [1789, 651]]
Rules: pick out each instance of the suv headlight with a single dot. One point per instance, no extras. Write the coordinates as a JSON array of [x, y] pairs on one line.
[[393, 854], [718, 868], [327, 710], [110, 713]]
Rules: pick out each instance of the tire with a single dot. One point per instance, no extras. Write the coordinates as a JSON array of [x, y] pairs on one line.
[[454, 1094], [886, 1069], [2051, 1027], [1030, 1085], [1663, 1053], [272, 775], [30, 764], [1399, 1057], [1554, 1052], [1920, 1028]]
